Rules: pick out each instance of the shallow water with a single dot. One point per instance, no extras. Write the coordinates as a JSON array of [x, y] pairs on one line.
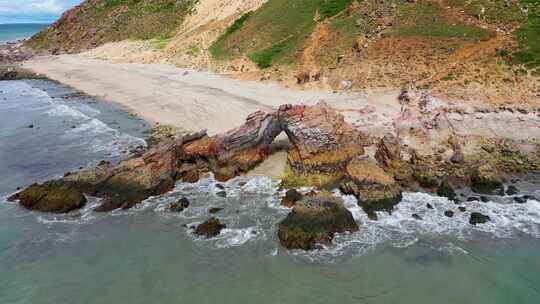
[[148, 255]]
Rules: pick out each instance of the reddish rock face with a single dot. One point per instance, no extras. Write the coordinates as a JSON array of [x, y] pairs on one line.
[[323, 143]]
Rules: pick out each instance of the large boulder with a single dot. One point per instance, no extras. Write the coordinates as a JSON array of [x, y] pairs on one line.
[[323, 143], [51, 197], [486, 179], [375, 189], [314, 220]]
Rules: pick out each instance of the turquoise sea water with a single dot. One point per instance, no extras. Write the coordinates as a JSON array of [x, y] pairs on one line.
[[13, 32], [148, 255]]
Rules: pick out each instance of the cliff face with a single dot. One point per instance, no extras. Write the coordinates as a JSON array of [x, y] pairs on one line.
[[95, 22]]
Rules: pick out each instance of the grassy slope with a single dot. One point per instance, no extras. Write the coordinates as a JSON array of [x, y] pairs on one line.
[[96, 22], [276, 33]]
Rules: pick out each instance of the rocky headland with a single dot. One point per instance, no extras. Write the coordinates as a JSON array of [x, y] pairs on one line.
[[426, 152]]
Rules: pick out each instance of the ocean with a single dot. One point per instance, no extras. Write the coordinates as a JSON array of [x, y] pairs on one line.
[[147, 255], [14, 32]]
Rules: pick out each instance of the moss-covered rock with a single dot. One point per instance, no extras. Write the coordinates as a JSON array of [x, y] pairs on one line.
[[51, 197], [446, 190], [375, 189], [486, 179], [315, 220], [291, 197], [478, 218], [179, 205], [426, 177]]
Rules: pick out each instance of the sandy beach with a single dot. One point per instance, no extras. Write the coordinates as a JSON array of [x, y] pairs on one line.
[[193, 100]]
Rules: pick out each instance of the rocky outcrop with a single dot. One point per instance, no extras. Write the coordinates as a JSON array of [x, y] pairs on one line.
[[375, 189], [486, 179], [185, 158], [322, 144], [388, 155], [51, 197], [210, 228], [315, 220]]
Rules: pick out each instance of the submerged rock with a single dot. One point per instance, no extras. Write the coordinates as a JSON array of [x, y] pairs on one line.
[[51, 197], [478, 218], [291, 197], [416, 216], [372, 186], [429, 206], [449, 213], [210, 228], [222, 194], [486, 179], [214, 210], [512, 190], [180, 205], [314, 220]]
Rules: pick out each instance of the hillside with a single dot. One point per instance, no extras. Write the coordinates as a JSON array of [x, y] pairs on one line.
[[95, 22], [465, 49]]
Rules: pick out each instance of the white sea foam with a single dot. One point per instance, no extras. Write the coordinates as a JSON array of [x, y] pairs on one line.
[[252, 212]]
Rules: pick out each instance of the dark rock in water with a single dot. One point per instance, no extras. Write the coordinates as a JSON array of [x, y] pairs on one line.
[[462, 209], [449, 213], [416, 217], [486, 179], [374, 188], [484, 199], [478, 218], [179, 206], [499, 191], [314, 220], [291, 197], [429, 206], [31, 126], [523, 199], [210, 228], [51, 197], [214, 210], [220, 186], [222, 194], [446, 190], [512, 190], [473, 199]]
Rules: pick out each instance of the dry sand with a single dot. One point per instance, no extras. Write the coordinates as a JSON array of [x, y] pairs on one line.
[[195, 100]]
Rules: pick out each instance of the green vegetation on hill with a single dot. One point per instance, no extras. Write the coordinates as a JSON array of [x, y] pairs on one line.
[[278, 31], [96, 22], [529, 37], [428, 20]]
